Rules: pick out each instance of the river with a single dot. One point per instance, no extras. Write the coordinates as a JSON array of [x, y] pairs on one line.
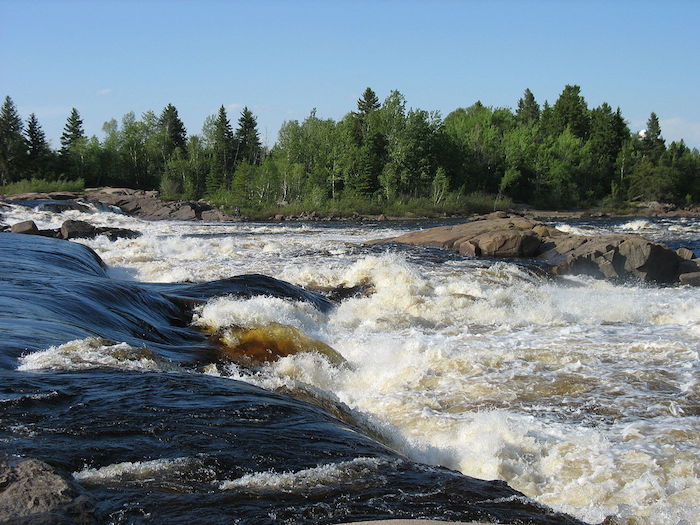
[[579, 393]]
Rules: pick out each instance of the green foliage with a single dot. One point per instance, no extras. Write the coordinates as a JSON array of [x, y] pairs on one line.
[[73, 132], [12, 146], [378, 158], [41, 186], [528, 109], [570, 111], [248, 146]]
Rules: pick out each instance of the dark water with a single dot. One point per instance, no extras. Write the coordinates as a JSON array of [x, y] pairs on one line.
[[189, 439]]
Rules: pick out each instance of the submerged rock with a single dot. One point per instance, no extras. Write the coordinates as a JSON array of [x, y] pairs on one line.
[[34, 492], [503, 235], [265, 343]]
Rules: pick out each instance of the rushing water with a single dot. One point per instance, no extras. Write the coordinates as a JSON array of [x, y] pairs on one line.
[[579, 393]]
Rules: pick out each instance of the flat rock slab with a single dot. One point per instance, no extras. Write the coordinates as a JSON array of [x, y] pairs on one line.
[[503, 235]]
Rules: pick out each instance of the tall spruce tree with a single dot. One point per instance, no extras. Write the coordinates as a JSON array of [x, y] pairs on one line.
[[12, 145], [528, 108], [223, 147], [570, 111], [38, 152], [653, 144], [72, 160], [173, 130], [368, 102], [249, 148], [72, 132]]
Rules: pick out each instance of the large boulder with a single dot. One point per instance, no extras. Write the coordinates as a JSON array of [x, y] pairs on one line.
[[26, 227], [83, 230], [32, 491]]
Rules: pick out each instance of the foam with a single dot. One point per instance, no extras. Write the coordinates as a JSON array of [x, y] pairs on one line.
[[139, 471], [94, 352], [316, 477]]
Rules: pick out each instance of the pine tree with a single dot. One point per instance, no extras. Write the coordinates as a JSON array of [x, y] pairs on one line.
[[12, 145], [223, 146], [653, 144], [174, 132], [72, 132], [248, 144], [528, 108], [38, 151], [368, 102], [570, 110]]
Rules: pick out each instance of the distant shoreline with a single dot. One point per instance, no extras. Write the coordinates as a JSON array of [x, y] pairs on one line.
[[148, 205]]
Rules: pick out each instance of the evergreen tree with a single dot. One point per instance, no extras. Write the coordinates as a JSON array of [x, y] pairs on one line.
[[528, 108], [38, 152], [248, 144], [72, 132], [653, 144], [368, 102], [174, 134], [12, 145], [223, 147], [570, 110]]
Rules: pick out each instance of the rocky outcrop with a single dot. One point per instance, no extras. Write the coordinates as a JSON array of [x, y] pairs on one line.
[[26, 227], [503, 235], [148, 205], [32, 491]]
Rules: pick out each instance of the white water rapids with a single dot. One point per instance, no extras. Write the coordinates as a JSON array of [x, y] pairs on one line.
[[582, 394]]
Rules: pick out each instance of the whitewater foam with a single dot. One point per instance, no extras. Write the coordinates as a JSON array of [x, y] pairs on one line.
[[94, 352]]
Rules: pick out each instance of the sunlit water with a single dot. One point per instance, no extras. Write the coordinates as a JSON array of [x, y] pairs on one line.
[[577, 392]]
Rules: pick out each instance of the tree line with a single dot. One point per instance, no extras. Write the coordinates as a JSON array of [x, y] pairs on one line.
[[560, 155]]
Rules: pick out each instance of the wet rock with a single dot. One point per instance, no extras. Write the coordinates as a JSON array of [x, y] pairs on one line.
[[265, 343], [692, 279], [689, 266], [78, 230], [59, 207], [25, 227], [34, 492], [83, 230]]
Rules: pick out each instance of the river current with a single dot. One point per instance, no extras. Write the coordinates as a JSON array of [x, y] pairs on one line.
[[582, 394]]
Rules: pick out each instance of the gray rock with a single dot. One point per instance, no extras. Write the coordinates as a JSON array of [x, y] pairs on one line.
[[689, 266], [83, 230], [34, 492], [77, 230], [59, 207], [692, 279], [26, 227]]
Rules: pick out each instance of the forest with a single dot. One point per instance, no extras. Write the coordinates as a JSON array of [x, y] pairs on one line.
[[380, 156]]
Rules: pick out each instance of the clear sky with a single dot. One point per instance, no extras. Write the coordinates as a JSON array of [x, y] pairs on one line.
[[283, 58]]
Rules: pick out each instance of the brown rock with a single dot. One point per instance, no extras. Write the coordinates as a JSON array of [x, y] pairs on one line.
[[685, 253], [77, 230], [469, 249], [25, 227], [691, 279], [507, 243]]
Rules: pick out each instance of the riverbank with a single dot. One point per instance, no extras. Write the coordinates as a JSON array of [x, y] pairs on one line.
[[149, 205]]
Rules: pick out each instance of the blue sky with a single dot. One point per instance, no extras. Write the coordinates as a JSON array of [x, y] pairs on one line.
[[284, 58]]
